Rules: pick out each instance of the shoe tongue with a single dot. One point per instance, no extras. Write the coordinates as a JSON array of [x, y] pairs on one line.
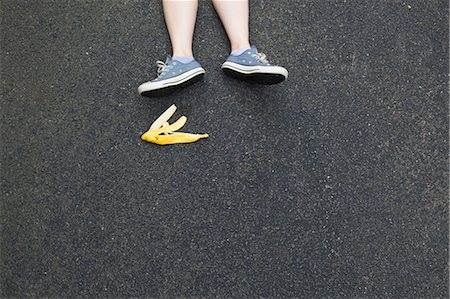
[[253, 49], [168, 59]]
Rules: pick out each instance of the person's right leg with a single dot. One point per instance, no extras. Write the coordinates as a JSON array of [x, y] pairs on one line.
[[181, 69], [180, 18]]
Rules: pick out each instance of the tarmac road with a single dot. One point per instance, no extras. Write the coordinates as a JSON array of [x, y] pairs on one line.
[[331, 184]]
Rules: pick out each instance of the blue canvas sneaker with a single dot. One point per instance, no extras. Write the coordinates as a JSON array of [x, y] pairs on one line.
[[254, 66], [172, 74]]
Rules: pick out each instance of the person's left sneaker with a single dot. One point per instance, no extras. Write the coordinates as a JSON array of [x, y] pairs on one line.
[[253, 66], [172, 75]]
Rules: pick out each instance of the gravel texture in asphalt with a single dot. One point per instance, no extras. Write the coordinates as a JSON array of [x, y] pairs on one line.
[[333, 183]]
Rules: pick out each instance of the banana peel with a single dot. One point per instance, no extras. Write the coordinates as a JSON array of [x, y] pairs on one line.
[[162, 133]]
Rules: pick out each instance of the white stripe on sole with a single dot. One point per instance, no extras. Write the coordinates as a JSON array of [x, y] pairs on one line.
[[248, 70], [177, 80]]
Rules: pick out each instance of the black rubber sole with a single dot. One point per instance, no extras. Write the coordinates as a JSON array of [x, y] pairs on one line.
[[261, 78], [170, 89]]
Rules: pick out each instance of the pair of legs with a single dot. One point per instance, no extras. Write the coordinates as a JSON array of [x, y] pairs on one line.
[[180, 16], [181, 69]]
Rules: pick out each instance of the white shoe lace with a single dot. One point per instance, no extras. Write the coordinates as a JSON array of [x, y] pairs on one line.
[[162, 67], [260, 57]]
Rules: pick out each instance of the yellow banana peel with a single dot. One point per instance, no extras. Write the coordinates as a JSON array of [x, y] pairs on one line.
[[162, 133]]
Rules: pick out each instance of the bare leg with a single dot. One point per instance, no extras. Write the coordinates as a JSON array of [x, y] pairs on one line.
[[234, 17], [180, 18]]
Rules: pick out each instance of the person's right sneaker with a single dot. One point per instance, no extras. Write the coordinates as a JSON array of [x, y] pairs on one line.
[[253, 66], [172, 74]]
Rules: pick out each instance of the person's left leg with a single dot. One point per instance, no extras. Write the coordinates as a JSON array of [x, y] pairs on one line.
[[244, 61]]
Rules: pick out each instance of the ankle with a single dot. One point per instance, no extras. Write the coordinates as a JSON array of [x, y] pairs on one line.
[[240, 45], [239, 51], [182, 53], [183, 59]]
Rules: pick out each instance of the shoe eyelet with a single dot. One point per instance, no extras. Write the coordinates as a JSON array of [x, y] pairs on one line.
[[174, 63]]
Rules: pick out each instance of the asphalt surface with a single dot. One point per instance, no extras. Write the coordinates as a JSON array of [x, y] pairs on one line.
[[331, 184]]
